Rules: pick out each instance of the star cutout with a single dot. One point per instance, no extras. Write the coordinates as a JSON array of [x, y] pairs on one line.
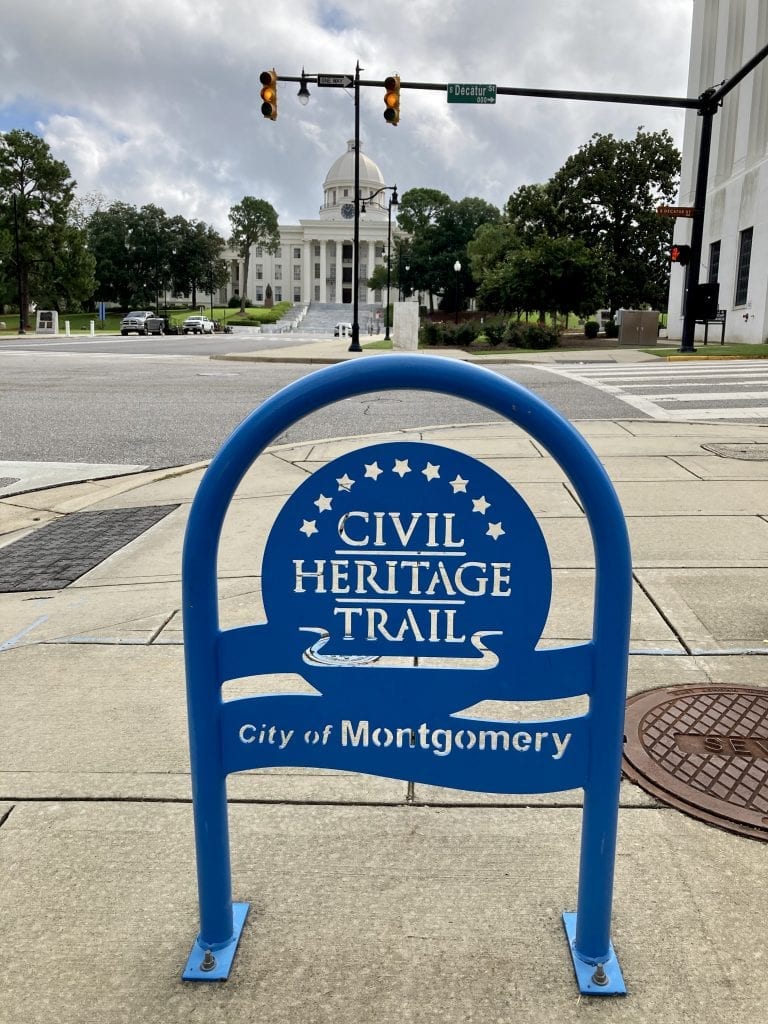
[[345, 482], [373, 470], [431, 472], [495, 530], [323, 503], [459, 485], [309, 526], [480, 505], [401, 467]]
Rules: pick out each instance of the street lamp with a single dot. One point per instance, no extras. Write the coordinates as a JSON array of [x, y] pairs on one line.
[[457, 268], [393, 201], [303, 95]]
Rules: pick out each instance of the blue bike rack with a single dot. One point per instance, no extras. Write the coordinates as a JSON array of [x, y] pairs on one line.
[[408, 549]]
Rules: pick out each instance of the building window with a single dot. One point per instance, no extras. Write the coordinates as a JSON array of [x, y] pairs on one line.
[[363, 271], [346, 192], [257, 251], [278, 272], [259, 268], [334, 197], [317, 270], [714, 261], [278, 294], [346, 275], [346, 251], [297, 252], [380, 250], [377, 295], [317, 293], [317, 250], [259, 294], [297, 294], [742, 273], [297, 273]]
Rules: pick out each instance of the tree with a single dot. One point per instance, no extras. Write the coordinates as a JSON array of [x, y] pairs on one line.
[[194, 257], [254, 222], [35, 196], [440, 230], [606, 194], [108, 231], [551, 275]]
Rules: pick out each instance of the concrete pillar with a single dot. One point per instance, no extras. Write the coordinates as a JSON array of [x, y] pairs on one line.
[[323, 275], [307, 279]]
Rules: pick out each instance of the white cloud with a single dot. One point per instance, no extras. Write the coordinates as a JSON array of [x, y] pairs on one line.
[[151, 101]]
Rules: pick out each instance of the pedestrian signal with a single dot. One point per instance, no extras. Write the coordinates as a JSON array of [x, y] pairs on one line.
[[392, 99], [268, 81], [680, 254]]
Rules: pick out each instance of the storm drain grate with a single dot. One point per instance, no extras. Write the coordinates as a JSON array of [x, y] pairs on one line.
[[750, 451], [62, 551], [704, 750]]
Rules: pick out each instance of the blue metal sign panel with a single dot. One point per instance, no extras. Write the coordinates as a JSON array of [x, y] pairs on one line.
[[387, 556]]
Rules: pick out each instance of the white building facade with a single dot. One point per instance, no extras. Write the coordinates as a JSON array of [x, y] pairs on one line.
[[726, 34], [315, 260]]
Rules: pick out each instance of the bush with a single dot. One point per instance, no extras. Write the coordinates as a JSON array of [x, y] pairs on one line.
[[591, 329], [234, 302], [611, 329], [431, 333], [537, 336], [494, 330]]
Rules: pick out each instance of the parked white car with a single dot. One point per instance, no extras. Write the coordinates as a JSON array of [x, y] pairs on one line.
[[342, 331], [197, 325]]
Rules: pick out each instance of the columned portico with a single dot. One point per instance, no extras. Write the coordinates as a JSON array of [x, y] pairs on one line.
[[310, 262]]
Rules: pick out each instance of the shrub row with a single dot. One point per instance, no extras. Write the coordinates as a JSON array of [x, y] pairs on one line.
[[494, 331]]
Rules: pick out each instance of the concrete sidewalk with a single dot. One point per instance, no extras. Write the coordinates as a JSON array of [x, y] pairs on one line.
[[336, 350], [371, 900]]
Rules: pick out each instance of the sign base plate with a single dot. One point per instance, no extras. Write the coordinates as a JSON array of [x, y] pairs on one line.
[[585, 973], [223, 956]]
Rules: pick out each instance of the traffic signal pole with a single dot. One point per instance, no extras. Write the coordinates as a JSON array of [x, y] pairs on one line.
[[692, 271], [706, 104]]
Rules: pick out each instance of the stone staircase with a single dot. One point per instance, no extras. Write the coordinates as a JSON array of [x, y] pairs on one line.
[[321, 318]]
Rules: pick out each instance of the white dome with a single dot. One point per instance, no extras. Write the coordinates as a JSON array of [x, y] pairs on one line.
[[342, 171], [339, 186]]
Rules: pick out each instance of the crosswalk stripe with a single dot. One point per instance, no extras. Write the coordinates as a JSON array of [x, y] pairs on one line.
[[655, 389]]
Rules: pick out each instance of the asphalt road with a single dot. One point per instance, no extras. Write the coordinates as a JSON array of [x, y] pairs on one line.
[[166, 410]]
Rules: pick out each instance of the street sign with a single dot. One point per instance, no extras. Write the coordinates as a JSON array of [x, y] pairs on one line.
[[405, 583], [676, 211], [343, 81], [464, 93]]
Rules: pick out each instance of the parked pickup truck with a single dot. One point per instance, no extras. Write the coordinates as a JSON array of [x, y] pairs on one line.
[[135, 321], [197, 325], [160, 325]]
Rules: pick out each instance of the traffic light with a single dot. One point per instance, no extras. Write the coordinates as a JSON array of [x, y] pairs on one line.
[[680, 254], [392, 99], [268, 81]]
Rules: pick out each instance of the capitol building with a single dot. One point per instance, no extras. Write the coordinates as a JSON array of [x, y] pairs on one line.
[[314, 262]]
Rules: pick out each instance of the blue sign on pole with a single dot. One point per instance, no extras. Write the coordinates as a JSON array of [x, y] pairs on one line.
[[409, 550]]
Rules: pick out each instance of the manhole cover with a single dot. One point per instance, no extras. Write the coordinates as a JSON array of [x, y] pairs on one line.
[[751, 451], [704, 750]]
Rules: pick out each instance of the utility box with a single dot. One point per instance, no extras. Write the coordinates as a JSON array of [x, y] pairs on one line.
[[47, 322], [639, 327]]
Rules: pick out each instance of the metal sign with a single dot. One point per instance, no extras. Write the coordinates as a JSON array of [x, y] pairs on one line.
[[676, 211], [465, 93], [345, 81], [408, 550]]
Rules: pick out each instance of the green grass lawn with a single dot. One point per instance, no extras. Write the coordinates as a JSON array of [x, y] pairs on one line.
[[713, 351], [81, 322]]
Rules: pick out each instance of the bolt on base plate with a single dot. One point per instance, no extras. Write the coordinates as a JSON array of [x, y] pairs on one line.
[[207, 964], [590, 979]]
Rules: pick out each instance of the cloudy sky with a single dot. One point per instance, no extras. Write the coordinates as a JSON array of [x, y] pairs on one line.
[[158, 100]]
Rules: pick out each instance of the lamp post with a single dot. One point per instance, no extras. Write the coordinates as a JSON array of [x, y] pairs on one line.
[[22, 312], [303, 96], [457, 268], [393, 201]]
